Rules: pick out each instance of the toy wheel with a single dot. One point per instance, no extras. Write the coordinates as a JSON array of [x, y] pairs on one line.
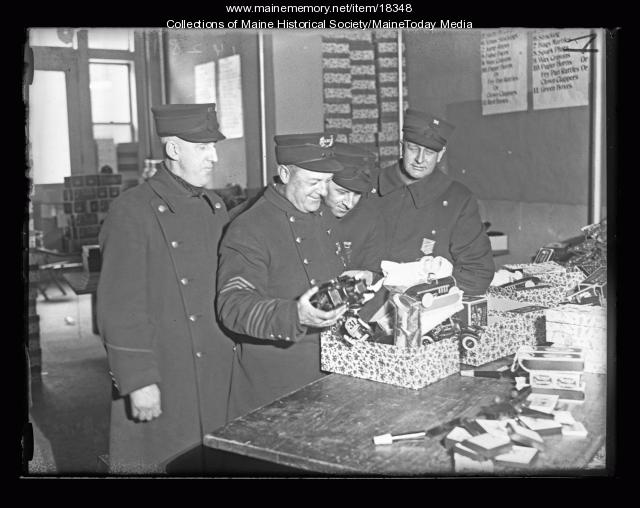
[[427, 339], [469, 342]]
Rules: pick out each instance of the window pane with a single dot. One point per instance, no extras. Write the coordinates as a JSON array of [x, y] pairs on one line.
[[110, 38], [57, 37], [110, 97], [119, 133], [49, 127]]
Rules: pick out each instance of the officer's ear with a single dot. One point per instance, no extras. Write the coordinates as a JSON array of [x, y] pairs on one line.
[[284, 172], [172, 148], [441, 154]]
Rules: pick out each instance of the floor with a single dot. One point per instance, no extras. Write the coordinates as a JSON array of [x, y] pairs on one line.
[[70, 402]]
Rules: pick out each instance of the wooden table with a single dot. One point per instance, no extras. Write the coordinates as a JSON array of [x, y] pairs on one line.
[[84, 283], [327, 427]]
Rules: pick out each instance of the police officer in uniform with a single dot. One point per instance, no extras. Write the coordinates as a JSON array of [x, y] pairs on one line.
[[169, 361], [427, 212], [348, 198], [272, 259]]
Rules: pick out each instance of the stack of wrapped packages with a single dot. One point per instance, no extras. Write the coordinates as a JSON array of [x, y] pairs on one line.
[[570, 292]]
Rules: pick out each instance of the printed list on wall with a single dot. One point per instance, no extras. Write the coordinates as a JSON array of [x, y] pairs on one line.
[[560, 68], [504, 71], [205, 81], [230, 97]]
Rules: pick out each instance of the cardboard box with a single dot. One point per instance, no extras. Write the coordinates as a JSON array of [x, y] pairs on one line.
[[583, 326], [474, 312], [77, 181], [91, 258], [504, 334], [106, 179], [546, 296], [84, 194], [401, 366], [551, 272], [499, 241], [91, 180], [551, 358]]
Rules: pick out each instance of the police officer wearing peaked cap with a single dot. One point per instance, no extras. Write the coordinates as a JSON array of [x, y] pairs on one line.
[[170, 362], [420, 202], [359, 241], [272, 260]]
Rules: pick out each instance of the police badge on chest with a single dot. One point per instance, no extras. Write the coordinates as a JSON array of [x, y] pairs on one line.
[[427, 246]]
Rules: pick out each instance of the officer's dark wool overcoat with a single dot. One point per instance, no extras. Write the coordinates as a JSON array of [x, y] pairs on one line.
[[441, 209], [270, 255], [156, 316]]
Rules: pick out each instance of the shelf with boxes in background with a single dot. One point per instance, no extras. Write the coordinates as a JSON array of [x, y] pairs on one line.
[[86, 201]]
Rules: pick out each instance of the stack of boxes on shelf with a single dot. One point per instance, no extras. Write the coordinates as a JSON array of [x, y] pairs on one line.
[[86, 203]]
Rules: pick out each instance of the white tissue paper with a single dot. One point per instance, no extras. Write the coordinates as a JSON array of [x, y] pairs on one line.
[[504, 276], [409, 274]]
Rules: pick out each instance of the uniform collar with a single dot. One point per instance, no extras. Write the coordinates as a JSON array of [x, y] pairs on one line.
[[422, 192], [389, 179], [282, 203], [169, 187]]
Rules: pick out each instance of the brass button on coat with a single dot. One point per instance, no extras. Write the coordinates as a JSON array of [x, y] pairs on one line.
[[162, 208], [298, 239], [217, 206], [184, 281], [292, 219], [175, 244], [193, 318]]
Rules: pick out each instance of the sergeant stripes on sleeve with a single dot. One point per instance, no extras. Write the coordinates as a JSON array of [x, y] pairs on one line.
[[258, 315], [237, 283]]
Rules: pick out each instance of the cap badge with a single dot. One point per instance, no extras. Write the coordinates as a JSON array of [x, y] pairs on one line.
[[326, 142], [436, 121]]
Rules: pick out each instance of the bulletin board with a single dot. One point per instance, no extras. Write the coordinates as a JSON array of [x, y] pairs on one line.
[[529, 156]]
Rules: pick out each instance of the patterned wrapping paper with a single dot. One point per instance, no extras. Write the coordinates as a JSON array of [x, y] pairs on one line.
[[563, 282], [407, 367], [360, 83], [582, 326], [548, 297], [506, 332], [551, 272]]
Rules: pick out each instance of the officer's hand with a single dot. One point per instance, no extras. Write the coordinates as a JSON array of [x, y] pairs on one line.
[[145, 403], [360, 274], [310, 316]]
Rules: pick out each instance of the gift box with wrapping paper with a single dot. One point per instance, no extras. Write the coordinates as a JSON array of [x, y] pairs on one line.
[[556, 284], [507, 330], [410, 367], [583, 326]]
